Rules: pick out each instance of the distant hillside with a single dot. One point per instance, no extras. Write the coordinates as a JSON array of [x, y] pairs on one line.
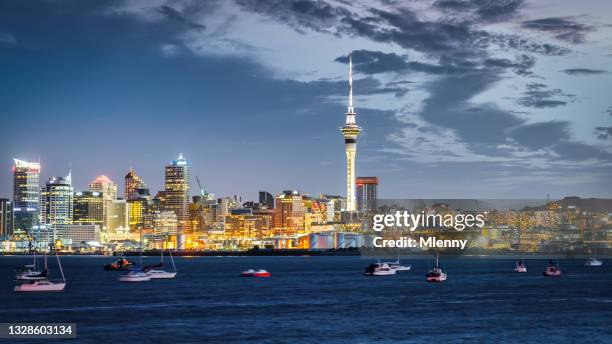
[[588, 204]]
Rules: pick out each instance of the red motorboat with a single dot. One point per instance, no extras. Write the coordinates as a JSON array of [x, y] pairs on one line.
[[255, 273], [552, 270]]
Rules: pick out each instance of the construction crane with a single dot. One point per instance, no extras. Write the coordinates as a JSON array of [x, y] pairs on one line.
[[202, 191]]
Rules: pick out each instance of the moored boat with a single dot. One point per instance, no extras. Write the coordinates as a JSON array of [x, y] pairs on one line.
[[436, 274], [44, 285], [552, 270], [593, 262], [520, 267], [379, 269], [255, 273], [135, 276]]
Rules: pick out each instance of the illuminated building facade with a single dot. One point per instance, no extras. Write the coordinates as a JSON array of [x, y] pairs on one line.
[[59, 204], [165, 223], [138, 207], [132, 182], [289, 214], [108, 189], [350, 131], [26, 193], [88, 208], [176, 192], [367, 193], [6, 217], [119, 219]]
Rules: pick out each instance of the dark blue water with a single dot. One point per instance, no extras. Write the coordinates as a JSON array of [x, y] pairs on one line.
[[322, 299]]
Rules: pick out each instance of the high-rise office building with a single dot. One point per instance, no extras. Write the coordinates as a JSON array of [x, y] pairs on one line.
[[88, 208], [266, 199], [350, 131], [119, 219], [176, 191], [289, 213], [59, 204], [138, 207], [108, 189], [367, 193], [132, 182], [6, 217], [25, 195]]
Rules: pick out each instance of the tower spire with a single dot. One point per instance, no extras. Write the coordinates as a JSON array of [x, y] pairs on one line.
[[350, 105]]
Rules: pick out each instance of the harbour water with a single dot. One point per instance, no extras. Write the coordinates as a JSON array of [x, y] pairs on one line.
[[321, 299]]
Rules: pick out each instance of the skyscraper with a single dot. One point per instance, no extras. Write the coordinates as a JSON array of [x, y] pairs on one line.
[[266, 199], [366, 193], [59, 204], [108, 189], [25, 195], [350, 131], [132, 182], [176, 191], [6, 217], [88, 208]]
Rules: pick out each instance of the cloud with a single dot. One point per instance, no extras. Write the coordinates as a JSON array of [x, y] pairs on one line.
[[540, 96], [603, 133], [584, 71], [563, 28]]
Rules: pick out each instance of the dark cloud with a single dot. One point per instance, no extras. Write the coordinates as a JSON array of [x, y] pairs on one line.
[[315, 15], [603, 133], [583, 71], [373, 62], [540, 96], [485, 9], [564, 29], [540, 135], [521, 65]]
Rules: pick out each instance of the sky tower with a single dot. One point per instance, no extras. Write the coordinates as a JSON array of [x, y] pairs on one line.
[[350, 131]]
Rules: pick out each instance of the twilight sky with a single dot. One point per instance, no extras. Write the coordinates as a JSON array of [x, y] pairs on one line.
[[457, 98]]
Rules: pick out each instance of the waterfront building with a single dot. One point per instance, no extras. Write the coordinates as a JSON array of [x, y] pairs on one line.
[[59, 196], [367, 193], [350, 131], [77, 233], [26, 191], [132, 182], [165, 223], [176, 191], [6, 217], [88, 208], [108, 188]]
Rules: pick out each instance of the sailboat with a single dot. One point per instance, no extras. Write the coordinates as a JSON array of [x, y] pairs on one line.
[[160, 273], [520, 266], [136, 274], [29, 272], [44, 284], [594, 261], [552, 270], [436, 274], [396, 264]]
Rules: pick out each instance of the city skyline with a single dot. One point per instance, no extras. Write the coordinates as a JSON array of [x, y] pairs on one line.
[[458, 99]]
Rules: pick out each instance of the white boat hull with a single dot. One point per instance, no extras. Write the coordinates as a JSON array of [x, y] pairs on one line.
[[40, 286], [160, 274], [520, 269], [594, 263], [139, 277]]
